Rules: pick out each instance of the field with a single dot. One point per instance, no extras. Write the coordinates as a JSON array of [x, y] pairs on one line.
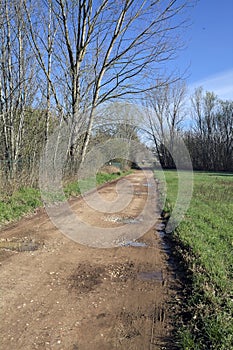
[[204, 241]]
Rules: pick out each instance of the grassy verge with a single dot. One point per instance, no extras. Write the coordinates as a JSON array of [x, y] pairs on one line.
[[75, 188], [205, 242], [26, 199]]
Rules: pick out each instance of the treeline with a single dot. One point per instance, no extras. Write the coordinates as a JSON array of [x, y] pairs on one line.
[[208, 136], [210, 140]]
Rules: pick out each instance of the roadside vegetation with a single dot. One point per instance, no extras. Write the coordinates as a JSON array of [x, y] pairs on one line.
[[26, 199], [204, 242]]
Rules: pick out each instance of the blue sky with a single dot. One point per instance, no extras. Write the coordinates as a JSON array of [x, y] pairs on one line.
[[209, 50]]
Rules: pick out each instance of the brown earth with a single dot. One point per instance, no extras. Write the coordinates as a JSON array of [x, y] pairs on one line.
[[58, 294]]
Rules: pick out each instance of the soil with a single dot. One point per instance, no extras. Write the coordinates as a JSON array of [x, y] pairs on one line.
[[64, 295]]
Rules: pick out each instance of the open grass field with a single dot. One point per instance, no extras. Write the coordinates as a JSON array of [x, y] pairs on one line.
[[205, 241]]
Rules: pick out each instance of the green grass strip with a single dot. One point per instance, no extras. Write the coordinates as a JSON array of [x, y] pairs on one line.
[[27, 199], [207, 233]]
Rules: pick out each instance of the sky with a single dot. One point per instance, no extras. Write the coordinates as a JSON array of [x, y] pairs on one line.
[[209, 48]]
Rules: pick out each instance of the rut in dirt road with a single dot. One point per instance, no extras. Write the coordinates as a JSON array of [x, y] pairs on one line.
[[68, 295]]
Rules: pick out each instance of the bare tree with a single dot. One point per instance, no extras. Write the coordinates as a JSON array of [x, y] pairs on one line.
[[103, 50], [225, 134], [204, 107], [163, 116], [17, 88], [210, 140]]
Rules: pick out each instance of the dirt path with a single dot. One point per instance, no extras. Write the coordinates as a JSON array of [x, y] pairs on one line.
[[68, 296]]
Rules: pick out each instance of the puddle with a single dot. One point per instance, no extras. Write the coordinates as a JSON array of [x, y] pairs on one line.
[[161, 234], [130, 221], [166, 248], [156, 276], [19, 246], [112, 218], [133, 244], [123, 220], [147, 185], [160, 227]]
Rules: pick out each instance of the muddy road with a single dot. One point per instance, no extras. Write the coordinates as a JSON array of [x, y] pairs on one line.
[[59, 294]]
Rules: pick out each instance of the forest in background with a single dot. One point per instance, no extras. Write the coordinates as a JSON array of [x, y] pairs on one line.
[[62, 61]]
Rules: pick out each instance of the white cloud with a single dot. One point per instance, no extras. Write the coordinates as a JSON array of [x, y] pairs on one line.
[[221, 84]]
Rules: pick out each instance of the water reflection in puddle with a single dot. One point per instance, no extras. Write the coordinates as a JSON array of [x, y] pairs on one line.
[[156, 276], [166, 248], [160, 226], [147, 185], [123, 220], [134, 244], [130, 221]]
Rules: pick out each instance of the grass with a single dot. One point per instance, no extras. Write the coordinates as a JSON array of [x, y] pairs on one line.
[[26, 199], [75, 188], [19, 203], [205, 240]]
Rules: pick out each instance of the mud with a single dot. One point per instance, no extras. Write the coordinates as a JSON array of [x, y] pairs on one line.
[[64, 295]]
